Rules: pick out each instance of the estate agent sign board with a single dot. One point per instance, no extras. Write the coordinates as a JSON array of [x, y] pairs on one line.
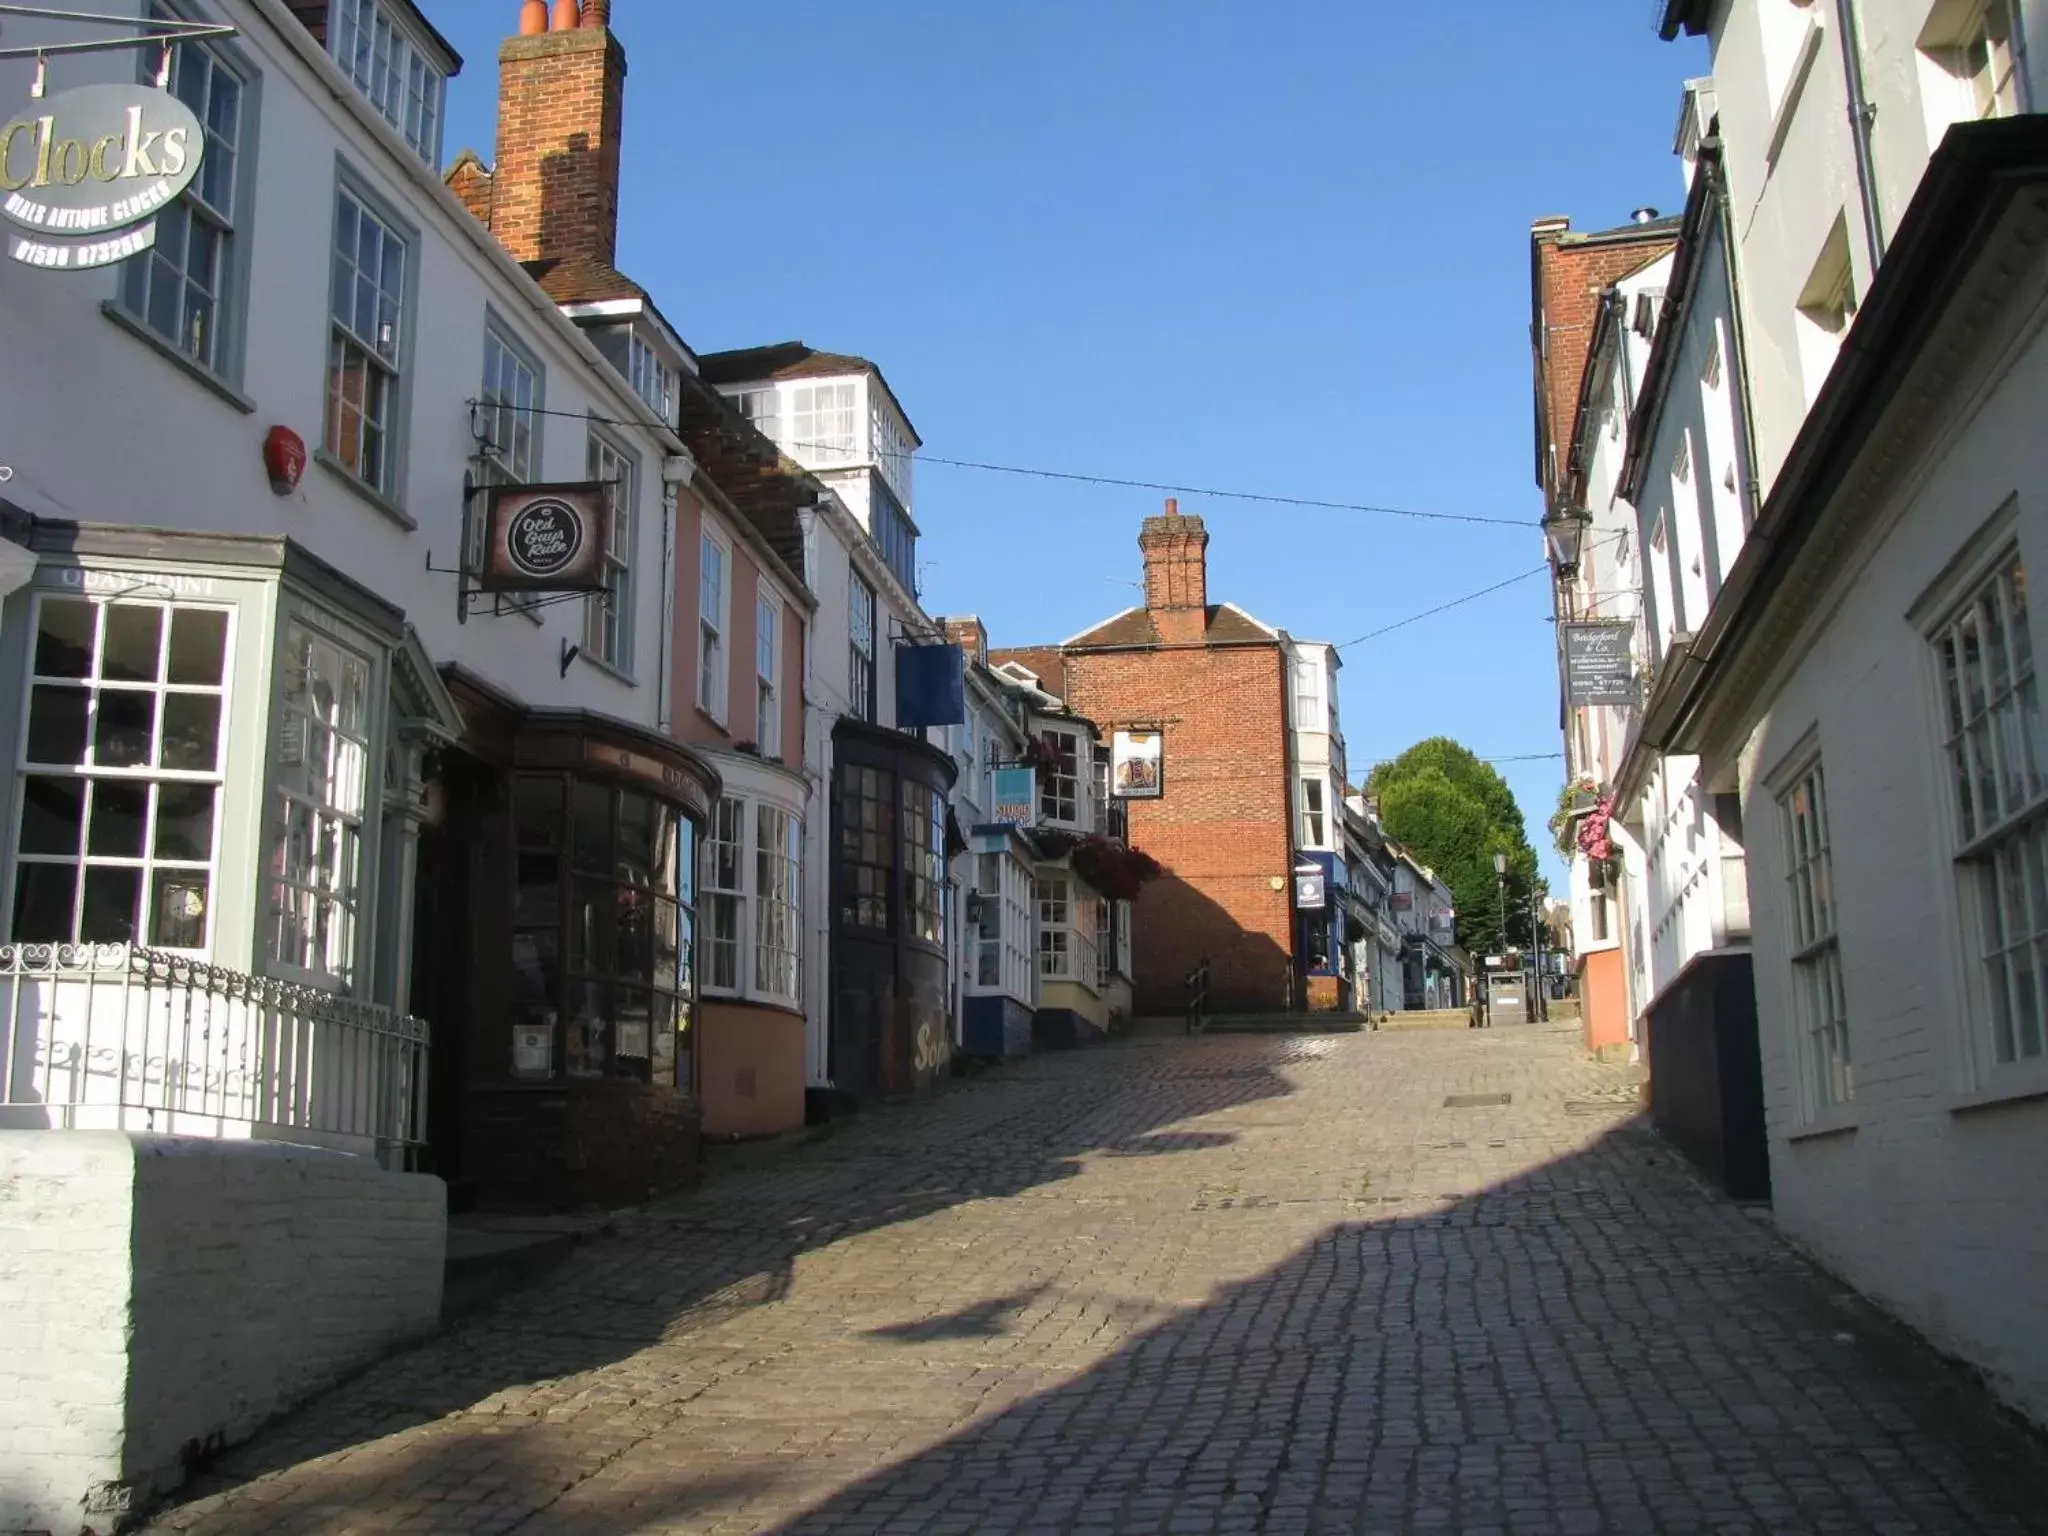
[[1598, 668], [85, 172]]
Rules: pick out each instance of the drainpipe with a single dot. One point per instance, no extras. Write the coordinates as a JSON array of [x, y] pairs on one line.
[[1861, 115], [1745, 435]]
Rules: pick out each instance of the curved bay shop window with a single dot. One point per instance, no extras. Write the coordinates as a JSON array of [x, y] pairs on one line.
[[890, 1029], [603, 920], [120, 767]]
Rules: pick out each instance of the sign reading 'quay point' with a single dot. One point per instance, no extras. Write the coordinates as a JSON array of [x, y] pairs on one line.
[[85, 172]]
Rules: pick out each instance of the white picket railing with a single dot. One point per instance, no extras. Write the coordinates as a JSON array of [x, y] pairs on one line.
[[112, 1036]]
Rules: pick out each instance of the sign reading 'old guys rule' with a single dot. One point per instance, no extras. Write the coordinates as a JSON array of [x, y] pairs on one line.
[[1598, 666], [86, 171], [546, 538]]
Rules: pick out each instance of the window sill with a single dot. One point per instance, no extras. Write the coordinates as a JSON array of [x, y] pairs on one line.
[[758, 1004], [374, 497], [615, 672], [1836, 1120], [2023, 1087], [1795, 87], [170, 354], [711, 720]]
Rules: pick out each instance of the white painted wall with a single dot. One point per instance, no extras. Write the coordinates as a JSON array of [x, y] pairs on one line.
[[166, 1291], [1923, 1190], [106, 429]]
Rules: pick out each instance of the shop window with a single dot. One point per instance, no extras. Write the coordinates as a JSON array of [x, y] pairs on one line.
[[121, 774], [603, 924], [319, 795], [867, 827], [724, 895], [988, 922], [778, 902], [924, 862], [1066, 929]]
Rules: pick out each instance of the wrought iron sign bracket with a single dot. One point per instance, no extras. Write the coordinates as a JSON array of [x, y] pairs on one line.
[[166, 30]]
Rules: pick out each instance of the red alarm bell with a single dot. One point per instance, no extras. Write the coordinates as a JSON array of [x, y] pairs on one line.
[[284, 459]]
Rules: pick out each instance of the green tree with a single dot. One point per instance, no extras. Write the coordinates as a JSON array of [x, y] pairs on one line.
[[1454, 812]]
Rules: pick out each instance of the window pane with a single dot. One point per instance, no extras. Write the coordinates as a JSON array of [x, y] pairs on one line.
[[52, 814], [43, 898], [120, 810], [198, 646], [64, 637], [56, 725], [123, 732], [184, 821], [191, 732], [177, 912], [107, 915], [133, 642]]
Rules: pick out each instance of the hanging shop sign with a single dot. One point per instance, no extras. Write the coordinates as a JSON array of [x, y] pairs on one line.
[[545, 538], [931, 686], [1309, 888], [1016, 797], [1135, 763], [1598, 666], [85, 173]]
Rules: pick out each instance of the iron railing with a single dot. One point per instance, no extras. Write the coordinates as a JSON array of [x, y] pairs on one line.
[[1198, 996], [114, 1036]]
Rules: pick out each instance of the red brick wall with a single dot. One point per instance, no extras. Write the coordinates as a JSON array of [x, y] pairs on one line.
[[1222, 827], [555, 182], [1571, 275]]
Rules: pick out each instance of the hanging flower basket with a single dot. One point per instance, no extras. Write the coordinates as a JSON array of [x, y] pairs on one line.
[[1596, 840], [1116, 871]]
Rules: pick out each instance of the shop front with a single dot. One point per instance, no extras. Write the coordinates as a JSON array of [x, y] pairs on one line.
[[554, 949], [1321, 896], [892, 839]]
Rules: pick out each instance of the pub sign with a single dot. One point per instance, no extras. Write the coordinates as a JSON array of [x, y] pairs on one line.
[[546, 538]]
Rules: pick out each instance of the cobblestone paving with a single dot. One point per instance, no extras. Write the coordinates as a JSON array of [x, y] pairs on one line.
[[1165, 1286]]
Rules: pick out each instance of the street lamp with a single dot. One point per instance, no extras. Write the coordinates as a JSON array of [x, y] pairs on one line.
[[1500, 869], [1564, 531]]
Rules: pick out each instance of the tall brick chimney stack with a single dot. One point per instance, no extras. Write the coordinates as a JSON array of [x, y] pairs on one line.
[[1176, 551], [970, 634], [554, 191]]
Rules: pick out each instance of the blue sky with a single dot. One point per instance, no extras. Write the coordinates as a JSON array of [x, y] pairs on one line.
[[1264, 245]]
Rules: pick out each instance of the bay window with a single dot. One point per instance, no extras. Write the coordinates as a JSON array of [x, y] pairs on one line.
[[121, 774], [778, 903], [924, 862], [753, 901], [1067, 928], [319, 795], [724, 894], [822, 424], [1059, 790]]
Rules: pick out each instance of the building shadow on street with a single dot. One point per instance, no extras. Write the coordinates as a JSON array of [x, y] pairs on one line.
[[1597, 1344]]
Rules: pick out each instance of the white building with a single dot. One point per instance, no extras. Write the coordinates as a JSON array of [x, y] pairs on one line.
[[1860, 690], [1316, 744]]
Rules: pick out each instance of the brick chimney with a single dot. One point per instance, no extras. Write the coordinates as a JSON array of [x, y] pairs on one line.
[[554, 191], [970, 634], [1176, 551]]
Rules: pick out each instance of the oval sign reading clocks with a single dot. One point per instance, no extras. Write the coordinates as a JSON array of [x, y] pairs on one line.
[[86, 171], [544, 537]]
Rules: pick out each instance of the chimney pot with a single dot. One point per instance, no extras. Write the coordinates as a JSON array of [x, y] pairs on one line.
[[597, 13], [533, 18], [568, 16], [1173, 506]]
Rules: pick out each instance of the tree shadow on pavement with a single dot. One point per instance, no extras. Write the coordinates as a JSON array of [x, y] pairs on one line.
[[690, 1262]]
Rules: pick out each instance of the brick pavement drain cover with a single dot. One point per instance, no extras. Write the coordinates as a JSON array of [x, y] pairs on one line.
[[1476, 1100]]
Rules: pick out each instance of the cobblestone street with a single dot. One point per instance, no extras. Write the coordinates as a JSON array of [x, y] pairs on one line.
[[1403, 1281]]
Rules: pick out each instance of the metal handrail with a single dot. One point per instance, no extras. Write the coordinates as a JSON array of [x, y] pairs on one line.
[[1198, 996]]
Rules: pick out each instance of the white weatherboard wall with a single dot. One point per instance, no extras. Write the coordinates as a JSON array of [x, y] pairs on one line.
[[165, 1296]]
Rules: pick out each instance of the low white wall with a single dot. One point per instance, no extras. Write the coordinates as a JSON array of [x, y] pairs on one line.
[[166, 1295]]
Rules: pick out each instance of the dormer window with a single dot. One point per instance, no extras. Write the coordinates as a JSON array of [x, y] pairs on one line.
[[652, 379], [392, 64]]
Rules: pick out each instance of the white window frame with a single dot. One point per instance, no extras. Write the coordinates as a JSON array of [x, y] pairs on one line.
[[387, 61], [1994, 763], [722, 901], [1060, 794], [510, 409], [1315, 814], [768, 652], [777, 903], [824, 427], [341, 840], [382, 356], [1066, 928], [863, 666], [714, 623], [1957, 87], [1820, 1007], [651, 377], [763, 407], [608, 616], [149, 774], [201, 228]]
